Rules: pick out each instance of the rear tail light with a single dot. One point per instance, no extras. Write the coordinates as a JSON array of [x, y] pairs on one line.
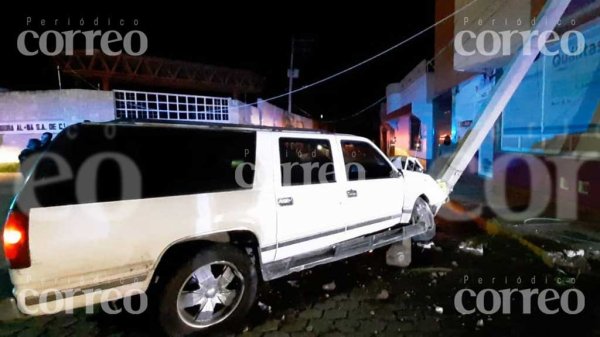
[[16, 240]]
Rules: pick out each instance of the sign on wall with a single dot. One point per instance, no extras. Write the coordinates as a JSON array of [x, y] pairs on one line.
[[559, 96], [32, 127]]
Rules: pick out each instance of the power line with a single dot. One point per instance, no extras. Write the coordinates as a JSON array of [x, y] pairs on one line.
[[356, 114], [376, 56], [82, 78]]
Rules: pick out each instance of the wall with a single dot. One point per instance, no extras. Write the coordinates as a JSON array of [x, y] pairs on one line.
[[490, 15], [42, 108], [445, 77], [56, 109], [558, 96], [271, 115], [470, 99], [414, 89]]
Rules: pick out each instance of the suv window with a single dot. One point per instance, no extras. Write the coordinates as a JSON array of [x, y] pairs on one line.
[[168, 161], [305, 161], [364, 162]]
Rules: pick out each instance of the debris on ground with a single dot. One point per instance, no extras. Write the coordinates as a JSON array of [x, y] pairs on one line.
[[573, 253], [329, 286], [435, 275], [265, 307], [454, 264], [428, 245], [572, 261], [439, 310], [293, 283], [594, 254], [471, 247], [480, 323], [428, 270], [383, 295]]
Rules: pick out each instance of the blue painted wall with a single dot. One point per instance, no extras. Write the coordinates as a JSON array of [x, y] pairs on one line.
[[559, 96]]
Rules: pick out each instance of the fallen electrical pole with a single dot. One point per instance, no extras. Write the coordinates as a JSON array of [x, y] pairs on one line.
[[503, 92]]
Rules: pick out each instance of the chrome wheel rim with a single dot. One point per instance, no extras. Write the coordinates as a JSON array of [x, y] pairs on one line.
[[210, 294], [422, 214]]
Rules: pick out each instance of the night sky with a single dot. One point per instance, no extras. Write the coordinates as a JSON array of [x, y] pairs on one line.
[[258, 38]]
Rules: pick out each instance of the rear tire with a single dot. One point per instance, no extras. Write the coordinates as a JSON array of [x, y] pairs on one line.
[[216, 287]]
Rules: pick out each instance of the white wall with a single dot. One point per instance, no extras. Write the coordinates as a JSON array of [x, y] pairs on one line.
[[67, 106], [271, 115], [75, 105], [413, 88], [489, 15]]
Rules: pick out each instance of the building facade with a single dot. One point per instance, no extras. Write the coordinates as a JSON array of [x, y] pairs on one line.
[[26, 115], [551, 120]]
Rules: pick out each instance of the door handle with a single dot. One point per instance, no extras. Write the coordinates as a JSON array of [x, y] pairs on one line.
[[351, 193], [285, 201]]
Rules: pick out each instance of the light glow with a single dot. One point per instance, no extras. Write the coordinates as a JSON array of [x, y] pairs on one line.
[[12, 236]]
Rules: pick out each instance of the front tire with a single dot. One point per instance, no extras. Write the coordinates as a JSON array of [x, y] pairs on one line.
[[216, 286], [422, 213]]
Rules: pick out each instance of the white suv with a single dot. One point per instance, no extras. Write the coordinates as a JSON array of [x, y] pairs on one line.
[[195, 215]]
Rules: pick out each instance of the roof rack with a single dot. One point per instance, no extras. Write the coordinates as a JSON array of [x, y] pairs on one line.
[[209, 125]]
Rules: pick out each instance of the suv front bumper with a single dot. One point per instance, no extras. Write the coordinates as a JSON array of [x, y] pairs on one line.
[[9, 310]]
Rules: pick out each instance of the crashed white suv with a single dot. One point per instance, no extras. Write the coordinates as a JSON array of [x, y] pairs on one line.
[[195, 215]]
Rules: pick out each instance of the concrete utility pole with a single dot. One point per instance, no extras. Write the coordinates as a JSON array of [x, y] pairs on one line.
[[503, 92], [291, 74]]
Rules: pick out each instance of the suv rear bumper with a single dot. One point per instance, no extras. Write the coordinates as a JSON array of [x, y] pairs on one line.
[[9, 310]]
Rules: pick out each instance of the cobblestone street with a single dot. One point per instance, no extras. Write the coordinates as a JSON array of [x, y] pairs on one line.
[[364, 297]]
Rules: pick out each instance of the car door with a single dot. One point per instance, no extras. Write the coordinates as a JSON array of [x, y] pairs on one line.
[[374, 188], [308, 195]]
